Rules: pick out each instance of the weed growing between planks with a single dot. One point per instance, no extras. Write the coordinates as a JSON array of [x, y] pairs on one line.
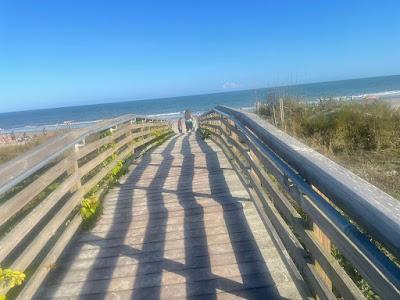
[[91, 206], [10, 278]]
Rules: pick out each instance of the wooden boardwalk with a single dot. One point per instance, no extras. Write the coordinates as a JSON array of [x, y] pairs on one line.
[[181, 225]]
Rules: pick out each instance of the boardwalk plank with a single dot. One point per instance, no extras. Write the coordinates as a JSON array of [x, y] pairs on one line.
[[180, 225]]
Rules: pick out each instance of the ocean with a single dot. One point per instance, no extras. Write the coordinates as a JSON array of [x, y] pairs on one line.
[[78, 116]]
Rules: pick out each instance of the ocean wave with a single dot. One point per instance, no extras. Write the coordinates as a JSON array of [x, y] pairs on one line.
[[384, 94], [165, 115], [87, 122], [380, 94], [359, 89], [50, 127], [174, 115]]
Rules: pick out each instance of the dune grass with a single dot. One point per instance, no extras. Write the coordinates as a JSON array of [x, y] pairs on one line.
[[362, 136], [9, 152]]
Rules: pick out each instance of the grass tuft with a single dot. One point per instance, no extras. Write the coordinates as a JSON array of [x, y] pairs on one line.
[[362, 136]]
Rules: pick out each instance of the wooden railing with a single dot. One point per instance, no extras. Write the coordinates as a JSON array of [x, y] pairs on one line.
[[40, 192], [325, 216]]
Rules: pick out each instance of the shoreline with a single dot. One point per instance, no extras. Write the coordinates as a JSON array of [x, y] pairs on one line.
[[391, 97]]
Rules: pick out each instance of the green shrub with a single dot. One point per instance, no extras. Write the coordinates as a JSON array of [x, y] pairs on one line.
[[362, 136], [355, 275], [205, 133], [158, 132], [119, 170], [339, 126], [89, 208], [105, 133], [10, 278]]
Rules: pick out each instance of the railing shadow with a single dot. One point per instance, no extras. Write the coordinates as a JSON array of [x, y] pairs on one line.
[[256, 279], [201, 281], [194, 233], [158, 217], [117, 225]]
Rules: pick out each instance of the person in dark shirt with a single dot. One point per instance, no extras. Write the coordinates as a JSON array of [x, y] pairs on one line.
[[188, 120]]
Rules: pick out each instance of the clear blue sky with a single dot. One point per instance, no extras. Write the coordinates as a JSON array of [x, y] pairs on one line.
[[70, 52]]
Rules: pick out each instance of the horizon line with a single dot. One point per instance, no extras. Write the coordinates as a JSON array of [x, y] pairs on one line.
[[120, 100]]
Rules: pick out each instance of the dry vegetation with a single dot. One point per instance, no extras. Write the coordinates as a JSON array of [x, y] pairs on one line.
[[8, 152], [362, 136]]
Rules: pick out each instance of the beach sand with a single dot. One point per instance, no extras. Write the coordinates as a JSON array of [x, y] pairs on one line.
[[394, 102]]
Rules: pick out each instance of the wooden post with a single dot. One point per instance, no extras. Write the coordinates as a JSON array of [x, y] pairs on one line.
[[74, 171], [257, 162], [273, 110], [133, 121], [325, 244], [282, 114]]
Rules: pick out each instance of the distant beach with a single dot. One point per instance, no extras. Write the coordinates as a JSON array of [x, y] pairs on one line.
[[395, 102], [386, 88]]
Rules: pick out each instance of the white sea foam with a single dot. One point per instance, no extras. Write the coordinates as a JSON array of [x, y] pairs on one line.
[[173, 115], [166, 115], [50, 127], [385, 94], [87, 122]]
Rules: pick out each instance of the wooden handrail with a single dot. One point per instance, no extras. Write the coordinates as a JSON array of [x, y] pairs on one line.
[[16, 170], [339, 184], [287, 179], [38, 217]]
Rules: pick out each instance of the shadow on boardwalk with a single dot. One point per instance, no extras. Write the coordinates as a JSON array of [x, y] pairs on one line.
[[150, 263]]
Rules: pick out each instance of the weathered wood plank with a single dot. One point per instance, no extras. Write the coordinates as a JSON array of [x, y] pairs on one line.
[[36, 233], [331, 267], [45, 267], [223, 259], [143, 222], [88, 148], [179, 225], [102, 156], [38, 243], [13, 205], [339, 184], [23, 228], [292, 245], [297, 169], [16, 170], [125, 129]]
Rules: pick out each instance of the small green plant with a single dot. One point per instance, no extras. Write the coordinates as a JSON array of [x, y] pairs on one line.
[[158, 132], [91, 205], [166, 135], [355, 275], [106, 133], [361, 135], [205, 133], [90, 208], [109, 159], [119, 170], [10, 278], [106, 147]]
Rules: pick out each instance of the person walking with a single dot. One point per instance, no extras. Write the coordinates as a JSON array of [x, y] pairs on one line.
[[188, 120], [180, 125], [195, 123]]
